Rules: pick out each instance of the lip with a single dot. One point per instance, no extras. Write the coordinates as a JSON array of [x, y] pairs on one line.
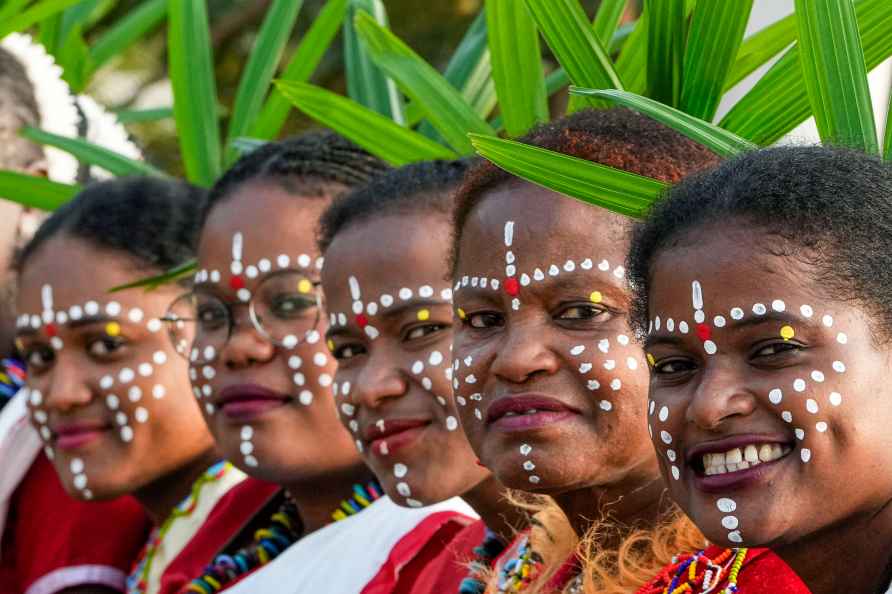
[[740, 479], [551, 411], [73, 436], [245, 402], [387, 436]]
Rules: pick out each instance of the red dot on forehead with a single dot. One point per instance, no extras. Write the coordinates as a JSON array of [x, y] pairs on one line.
[[237, 282], [704, 332], [362, 320], [512, 287], [51, 330]]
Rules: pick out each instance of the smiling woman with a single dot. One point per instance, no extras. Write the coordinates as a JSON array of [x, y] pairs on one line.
[[764, 291]]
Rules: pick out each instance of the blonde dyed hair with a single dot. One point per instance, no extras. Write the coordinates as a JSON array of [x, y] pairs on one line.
[[622, 569]]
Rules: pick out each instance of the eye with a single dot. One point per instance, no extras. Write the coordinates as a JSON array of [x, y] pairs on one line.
[[105, 346], [290, 305], [581, 312], [774, 349], [38, 358], [211, 316], [484, 319], [422, 331], [673, 367], [348, 351]]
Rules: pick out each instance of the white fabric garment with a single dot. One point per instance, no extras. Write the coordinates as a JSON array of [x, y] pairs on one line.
[[344, 556], [19, 446]]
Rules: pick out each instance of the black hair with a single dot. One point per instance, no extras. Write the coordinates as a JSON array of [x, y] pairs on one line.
[[427, 187], [615, 137], [830, 207], [18, 107], [154, 220], [312, 164]]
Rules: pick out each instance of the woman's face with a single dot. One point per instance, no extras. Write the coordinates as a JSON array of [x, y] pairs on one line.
[[390, 315], [267, 397], [770, 406], [549, 381], [107, 393]]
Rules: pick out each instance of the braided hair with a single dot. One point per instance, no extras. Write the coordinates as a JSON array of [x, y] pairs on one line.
[[427, 187], [314, 165]]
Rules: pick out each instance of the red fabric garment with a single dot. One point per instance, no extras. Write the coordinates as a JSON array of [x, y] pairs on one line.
[[762, 571], [234, 510], [444, 567], [52, 541], [425, 544]]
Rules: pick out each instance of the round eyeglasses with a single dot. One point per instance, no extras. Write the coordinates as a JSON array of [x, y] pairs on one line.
[[284, 308]]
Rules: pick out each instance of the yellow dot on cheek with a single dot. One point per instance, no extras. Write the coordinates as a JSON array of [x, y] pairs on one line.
[[113, 329], [461, 314], [19, 344], [787, 332], [424, 315], [304, 286], [331, 345], [650, 360], [596, 297]]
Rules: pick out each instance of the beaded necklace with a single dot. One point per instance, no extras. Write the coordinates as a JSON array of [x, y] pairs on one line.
[[518, 573], [485, 554], [12, 378], [286, 528], [699, 574]]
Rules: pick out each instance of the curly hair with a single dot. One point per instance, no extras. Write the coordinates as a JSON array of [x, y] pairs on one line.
[[426, 187], [316, 164], [616, 137], [829, 207]]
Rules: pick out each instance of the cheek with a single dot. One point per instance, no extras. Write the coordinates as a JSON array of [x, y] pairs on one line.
[[469, 370], [343, 387], [665, 421], [612, 368]]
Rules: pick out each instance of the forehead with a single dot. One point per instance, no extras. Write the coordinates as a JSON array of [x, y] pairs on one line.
[[387, 252], [78, 272], [744, 265], [270, 219], [547, 226]]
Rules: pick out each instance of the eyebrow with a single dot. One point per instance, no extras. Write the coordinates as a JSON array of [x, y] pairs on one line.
[[752, 321], [392, 312], [85, 321]]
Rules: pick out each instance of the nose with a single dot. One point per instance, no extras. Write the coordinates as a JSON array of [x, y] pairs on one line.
[[524, 353], [68, 386], [246, 346], [379, 380], [722, 394]]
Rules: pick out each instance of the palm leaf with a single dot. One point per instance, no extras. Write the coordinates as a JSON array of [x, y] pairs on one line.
[[261, 67], [374, 132], [516, 65], [304, 62], [38, 12], [716, 34], [153, 282], [719, 141], [444, 107], [366, 83], [194, 90], [92, 154], [666, 33], [631, 66], [607, 19], [620, 191], [760, 47], [127, 31], [835, 74], [35, 192], [139, 116]]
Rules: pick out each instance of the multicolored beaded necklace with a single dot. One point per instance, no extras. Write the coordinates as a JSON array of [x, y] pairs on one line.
[[485, 554], [698, 574], [518, 573], [12, 379], [286, 528]]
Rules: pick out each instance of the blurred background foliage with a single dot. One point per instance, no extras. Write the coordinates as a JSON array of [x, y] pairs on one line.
[[137, 79]]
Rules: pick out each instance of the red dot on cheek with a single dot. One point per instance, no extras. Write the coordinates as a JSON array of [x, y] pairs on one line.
[[237, 282], [704, 332], [362, 320], [512, 287]]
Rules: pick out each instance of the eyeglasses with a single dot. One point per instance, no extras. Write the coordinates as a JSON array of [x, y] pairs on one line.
[[284, 309]]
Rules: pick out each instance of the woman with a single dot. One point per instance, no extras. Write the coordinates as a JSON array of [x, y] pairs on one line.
[[763, 288], [263, 375], [550, 383], [106, 393], [389, 304]]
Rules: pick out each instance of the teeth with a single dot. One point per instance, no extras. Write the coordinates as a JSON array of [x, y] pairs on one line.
[[741, 459]]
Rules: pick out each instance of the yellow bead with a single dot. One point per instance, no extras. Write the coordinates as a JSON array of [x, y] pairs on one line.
[[113, 329], [424, 315], [304, 286], [596, 297], [787, 332], [461, 314]]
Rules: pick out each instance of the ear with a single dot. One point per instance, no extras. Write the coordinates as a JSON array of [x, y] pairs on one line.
[[38, 168]]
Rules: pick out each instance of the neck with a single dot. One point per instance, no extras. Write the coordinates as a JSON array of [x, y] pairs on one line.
[[317, 497], [487, 498], [861, 544], [638, 504], [160, 497]]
